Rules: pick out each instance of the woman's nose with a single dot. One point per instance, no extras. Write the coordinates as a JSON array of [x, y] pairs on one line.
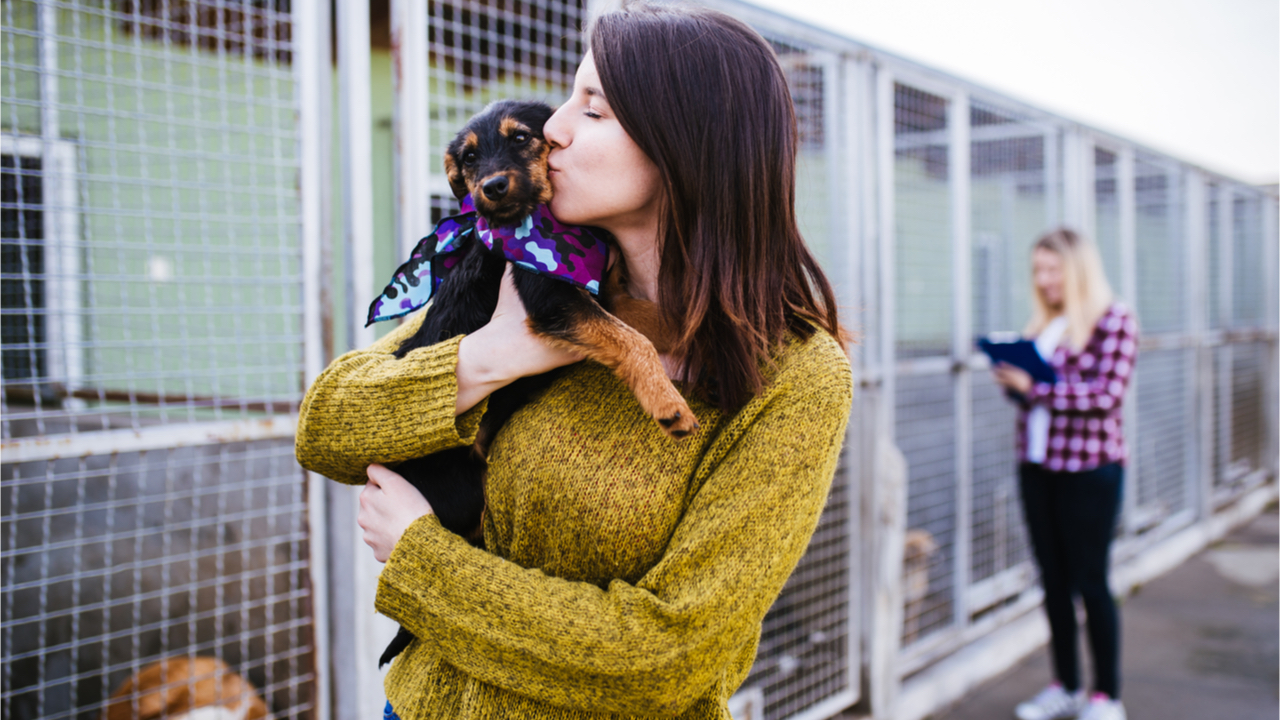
[[555, 130]]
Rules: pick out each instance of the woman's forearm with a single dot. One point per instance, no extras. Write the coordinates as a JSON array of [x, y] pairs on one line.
[[479, 371]]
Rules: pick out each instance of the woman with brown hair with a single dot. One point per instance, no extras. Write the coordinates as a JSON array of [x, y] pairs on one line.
[[1071, 451], [624, 572]]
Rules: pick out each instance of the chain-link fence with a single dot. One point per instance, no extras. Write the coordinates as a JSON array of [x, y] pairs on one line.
[[152, 351]]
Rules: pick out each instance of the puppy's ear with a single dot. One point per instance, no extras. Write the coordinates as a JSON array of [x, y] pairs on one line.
[[456, 182]]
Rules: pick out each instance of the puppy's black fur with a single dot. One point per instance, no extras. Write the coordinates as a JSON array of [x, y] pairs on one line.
[[500, 159]]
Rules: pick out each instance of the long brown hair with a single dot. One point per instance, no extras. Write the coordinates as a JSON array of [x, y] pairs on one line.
[[1086, 294], [704, 96]]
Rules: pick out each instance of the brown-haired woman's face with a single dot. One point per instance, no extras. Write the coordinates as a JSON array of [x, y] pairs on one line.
[[1046, 272], [599, 175]]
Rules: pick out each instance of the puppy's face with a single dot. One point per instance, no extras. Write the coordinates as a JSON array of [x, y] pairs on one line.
[[500, 159]]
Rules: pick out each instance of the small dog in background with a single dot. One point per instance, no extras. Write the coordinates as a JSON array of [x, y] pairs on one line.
[[918, 550], [497, 168], [186, 688]]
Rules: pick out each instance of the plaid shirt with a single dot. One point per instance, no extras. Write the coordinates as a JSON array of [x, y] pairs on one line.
[[1085, 426]]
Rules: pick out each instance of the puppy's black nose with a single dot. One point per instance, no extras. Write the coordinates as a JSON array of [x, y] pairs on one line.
[[496, 188]]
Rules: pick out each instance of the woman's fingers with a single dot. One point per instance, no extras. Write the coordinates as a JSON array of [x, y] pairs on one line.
[[388, 506]]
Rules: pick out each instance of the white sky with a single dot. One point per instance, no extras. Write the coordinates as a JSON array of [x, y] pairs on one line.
[[1198, 79]]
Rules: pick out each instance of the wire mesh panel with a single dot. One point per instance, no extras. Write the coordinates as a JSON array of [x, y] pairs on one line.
[[1010, 171], [1007, 167], [1163, 435], [1214, 250], [152, 289], [999, 540], [925, 427], [1248, 442], [925, 403], [112, 562], [1220, 407], [922, 216], [1106, 198], [1160, 243], [1248, 277]]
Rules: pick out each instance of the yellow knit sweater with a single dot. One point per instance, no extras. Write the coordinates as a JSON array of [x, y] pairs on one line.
[[626, 573]]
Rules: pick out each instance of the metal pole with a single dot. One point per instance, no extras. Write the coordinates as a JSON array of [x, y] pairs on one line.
[[1201, 483], [61, 236], [412, 121], [1271, 383], [961, 346], [846, 127], [355, 113], [359, 633], [312, 68], [1127, 199], [887, 238]]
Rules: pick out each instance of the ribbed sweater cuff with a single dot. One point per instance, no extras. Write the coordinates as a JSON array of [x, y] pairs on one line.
[[434, 394], [424, 549]]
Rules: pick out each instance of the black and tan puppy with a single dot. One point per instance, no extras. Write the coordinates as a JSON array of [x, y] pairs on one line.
[[500, 160]]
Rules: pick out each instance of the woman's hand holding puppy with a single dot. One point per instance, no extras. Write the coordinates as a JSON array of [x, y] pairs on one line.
[[388, 506], [503, 351]]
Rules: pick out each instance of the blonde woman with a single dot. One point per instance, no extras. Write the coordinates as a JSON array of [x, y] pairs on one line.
[[1071, 453]]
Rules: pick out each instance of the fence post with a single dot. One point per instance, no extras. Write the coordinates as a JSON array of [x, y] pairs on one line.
[[410, 85], [312, 69], [961, 347], [890, 508], [1198, 267]]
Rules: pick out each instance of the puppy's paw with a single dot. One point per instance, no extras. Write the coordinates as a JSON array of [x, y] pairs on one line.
[[677, 420]]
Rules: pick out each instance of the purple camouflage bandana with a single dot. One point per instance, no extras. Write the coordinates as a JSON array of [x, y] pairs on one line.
[[575, 254]]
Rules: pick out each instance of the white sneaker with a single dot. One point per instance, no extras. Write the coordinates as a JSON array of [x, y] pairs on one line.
[[1102, 707], [1053, 703]]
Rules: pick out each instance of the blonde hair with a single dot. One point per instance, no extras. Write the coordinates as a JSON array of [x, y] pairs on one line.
[[1086, 294]]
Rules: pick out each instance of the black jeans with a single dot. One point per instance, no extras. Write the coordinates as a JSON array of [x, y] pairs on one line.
[[1071, 518]]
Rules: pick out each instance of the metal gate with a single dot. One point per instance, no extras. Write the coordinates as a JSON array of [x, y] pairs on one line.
[[152, 351]]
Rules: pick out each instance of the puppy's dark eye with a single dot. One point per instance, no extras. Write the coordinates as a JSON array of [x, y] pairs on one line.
[[469, 158], [520, 138]]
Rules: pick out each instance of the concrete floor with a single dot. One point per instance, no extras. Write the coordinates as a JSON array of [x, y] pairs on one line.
[[1198, 642]]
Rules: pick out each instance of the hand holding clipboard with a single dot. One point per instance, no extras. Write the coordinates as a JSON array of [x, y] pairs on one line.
[[1021, 354]]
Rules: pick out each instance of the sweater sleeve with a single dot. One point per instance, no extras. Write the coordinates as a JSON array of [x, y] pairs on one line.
[[1105, 371], [654, 647], [369, 407]]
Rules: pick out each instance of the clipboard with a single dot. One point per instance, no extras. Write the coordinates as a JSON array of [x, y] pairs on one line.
[[1021, 354]]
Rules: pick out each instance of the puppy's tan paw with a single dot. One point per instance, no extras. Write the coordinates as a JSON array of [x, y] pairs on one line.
[[678, 422]]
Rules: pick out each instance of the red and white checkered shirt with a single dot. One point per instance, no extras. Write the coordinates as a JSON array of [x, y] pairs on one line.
[[1085, 427]]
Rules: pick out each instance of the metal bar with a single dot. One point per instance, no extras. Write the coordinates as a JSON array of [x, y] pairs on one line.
[[845, 127], [312, 68], [410, 84], [1127, 200], [107, 442], [1053, 175], [1271, 288], [355, 106], [887, 239], [961, 345], [354, 658], [1200, 481]]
